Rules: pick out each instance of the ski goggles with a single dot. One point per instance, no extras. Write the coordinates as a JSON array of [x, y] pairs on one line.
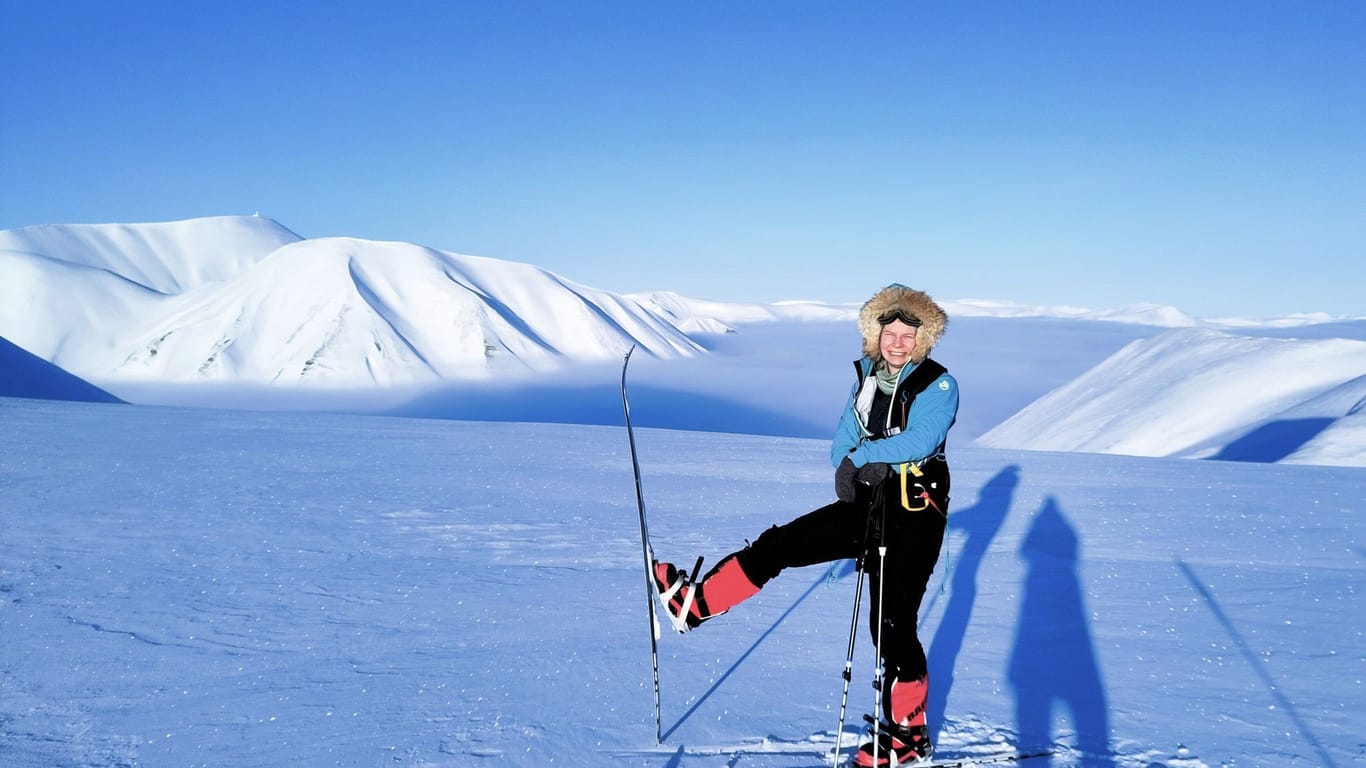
[[898, 314]]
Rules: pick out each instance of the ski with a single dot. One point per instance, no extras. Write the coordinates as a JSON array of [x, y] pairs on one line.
[[969, 762], [814, 750], [645, 549], [965, 761]]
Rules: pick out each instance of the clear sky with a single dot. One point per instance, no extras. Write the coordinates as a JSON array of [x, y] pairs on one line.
[[1207, 155]]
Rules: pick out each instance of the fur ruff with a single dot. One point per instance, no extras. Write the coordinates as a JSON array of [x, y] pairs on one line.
[[917, 303]]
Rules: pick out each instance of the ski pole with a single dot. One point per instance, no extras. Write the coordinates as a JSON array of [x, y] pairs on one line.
[[853, 628], [879, 675], [849, 658], [645, 549]]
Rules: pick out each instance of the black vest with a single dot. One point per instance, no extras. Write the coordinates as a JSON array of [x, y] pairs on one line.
[[934, 476], [905, 394]]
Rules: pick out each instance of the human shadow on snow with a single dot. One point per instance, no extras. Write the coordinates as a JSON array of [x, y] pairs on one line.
[[1053, 663], [981, 522]]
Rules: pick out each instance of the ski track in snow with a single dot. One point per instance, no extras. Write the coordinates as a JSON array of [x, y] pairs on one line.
[[190, 587]]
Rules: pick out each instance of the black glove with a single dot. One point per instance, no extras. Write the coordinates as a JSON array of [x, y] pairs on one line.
[[844, 480], [874, 472]]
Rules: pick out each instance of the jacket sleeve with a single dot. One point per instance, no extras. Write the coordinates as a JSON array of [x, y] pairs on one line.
[[927, 425], [847, 432]]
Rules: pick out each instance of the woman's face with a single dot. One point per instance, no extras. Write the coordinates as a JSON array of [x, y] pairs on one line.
[[896, 344]]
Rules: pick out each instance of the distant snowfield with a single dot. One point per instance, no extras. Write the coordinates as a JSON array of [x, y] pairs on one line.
[[184, 587]]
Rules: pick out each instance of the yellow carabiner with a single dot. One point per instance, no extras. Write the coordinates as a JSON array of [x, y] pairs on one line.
[[924, 496]]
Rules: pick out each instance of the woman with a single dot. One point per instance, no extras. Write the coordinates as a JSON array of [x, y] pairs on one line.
[[892, 484]]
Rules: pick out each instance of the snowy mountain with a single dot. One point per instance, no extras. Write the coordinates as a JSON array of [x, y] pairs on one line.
[[244, 300], [252, 315], [1203, 394]]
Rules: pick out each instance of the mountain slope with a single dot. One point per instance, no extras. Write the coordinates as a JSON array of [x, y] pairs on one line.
[[69, 313], [1187, 393], [345, 312], [243, 300]]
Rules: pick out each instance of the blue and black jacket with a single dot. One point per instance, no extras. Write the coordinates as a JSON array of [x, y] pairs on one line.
[[923, 407]]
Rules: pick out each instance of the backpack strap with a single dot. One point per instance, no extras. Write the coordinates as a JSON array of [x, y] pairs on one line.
[[919, 380]]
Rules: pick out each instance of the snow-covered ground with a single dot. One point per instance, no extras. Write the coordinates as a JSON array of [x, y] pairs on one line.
[[226, 588], [201, 586]]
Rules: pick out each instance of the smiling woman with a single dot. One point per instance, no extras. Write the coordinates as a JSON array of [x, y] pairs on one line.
[[892, 484]]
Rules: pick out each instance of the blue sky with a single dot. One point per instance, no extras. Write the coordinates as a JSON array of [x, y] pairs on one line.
[[1210, 155]]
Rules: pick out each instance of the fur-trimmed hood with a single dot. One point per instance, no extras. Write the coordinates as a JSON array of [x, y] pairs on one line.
[[913, 302]]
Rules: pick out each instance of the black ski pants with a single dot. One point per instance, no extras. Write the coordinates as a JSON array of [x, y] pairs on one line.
[[845, 530]]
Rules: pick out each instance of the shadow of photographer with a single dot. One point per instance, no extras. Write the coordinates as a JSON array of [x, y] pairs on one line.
[[1053, 663]]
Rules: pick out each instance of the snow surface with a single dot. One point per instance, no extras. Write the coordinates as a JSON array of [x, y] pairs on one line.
[[192, 586], [185, 587]]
